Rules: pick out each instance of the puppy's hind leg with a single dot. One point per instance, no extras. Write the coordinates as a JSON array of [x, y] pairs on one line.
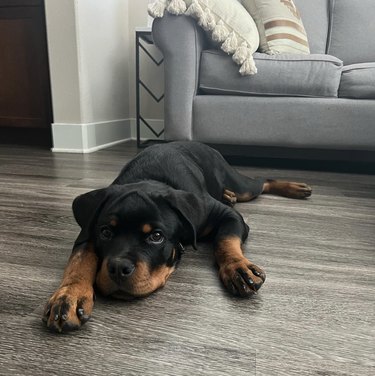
[[240, 188], [287, 189]]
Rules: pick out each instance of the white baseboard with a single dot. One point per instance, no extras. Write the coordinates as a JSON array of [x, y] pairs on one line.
[[89, 137]]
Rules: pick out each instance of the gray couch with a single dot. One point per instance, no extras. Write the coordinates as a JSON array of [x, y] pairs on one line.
[[314, 103]]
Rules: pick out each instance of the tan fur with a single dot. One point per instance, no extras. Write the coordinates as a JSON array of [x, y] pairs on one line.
[[76, 288], [104, 282], [287, 189], [230, 259], [113, 222], [141, 283], [229, 250], [146, 228], [81, 266]]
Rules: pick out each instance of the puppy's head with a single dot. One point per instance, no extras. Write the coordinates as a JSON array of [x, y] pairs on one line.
[[137, 231]]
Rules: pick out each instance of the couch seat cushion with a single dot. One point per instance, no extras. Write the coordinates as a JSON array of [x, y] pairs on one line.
[[358, 81], [278, 75]]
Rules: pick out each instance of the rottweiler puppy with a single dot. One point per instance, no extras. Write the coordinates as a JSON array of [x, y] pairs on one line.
[[134, 231]]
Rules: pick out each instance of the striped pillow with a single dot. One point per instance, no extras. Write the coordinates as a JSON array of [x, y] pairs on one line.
[[280, 26]]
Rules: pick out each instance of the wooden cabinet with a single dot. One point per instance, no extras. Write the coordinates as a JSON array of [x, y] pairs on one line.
[[25, 96]]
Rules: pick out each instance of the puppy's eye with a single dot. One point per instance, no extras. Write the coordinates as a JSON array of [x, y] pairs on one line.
[[106, 233], [156, 237]]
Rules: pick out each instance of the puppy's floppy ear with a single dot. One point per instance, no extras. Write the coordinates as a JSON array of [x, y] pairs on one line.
[[191, 208], [86, 209]]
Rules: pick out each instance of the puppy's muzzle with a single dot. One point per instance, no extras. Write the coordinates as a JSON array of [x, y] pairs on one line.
[[119, 269]]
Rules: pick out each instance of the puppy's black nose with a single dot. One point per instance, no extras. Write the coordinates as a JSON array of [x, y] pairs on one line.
[[120, 268]]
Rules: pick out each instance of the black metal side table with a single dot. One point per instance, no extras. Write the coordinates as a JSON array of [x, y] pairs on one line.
[[143, 38]]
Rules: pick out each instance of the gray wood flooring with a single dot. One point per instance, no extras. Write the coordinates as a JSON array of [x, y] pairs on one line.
[[315, 315]]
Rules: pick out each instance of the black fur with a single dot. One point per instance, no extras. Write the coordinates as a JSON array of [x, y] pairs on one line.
[[176, 187]]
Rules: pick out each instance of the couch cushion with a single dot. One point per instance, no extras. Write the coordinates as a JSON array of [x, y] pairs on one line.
[[278, 75], [315, 17], [353, 29], [280, 26], [358, 81]]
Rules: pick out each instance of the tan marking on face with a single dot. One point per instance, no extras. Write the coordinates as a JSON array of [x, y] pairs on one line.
[[146, 228], [140, 284], [113, 222], [104, 282], [143, 281], [161, 275]]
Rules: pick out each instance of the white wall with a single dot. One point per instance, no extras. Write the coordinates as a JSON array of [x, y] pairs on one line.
[[62, 46], [92, 62], [102, 31]]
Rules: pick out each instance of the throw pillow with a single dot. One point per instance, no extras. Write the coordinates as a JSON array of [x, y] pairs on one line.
[[280, 26], [227, 22]]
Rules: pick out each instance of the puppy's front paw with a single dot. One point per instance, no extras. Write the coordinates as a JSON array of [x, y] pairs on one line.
[[242, 278], [69, 307]]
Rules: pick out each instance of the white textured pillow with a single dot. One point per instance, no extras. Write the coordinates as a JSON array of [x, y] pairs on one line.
[[227, 21], [280, 26]]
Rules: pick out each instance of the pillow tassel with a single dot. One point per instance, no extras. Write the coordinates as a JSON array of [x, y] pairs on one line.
[[176, 7], [194, 10], [207, 20], [157, 8], [231, 43], [241, 54], [248, 67], [220, 32]]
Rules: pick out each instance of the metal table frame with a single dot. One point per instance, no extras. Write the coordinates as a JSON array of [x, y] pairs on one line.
[[143, 37]]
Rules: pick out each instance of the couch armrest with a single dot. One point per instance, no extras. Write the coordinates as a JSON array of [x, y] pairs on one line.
[[181, 41]]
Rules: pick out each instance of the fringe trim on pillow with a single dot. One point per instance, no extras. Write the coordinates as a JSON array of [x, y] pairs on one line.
[[248, 67], [195, 10], [220, 32], [207, 20], [230, 44], [272, 52], [241, 54], [157, 8], [176, 7]]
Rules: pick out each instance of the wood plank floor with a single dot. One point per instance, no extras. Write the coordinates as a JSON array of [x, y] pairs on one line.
[[315, 315]]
